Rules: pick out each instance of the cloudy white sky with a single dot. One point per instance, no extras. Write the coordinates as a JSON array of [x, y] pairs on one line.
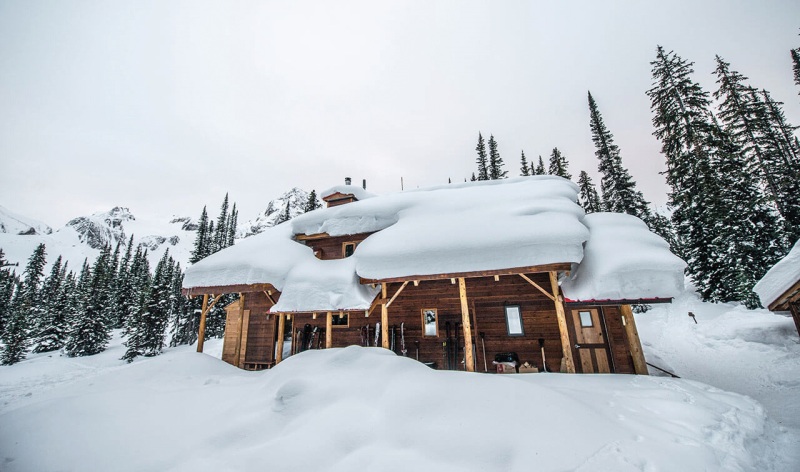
[[165, 106]]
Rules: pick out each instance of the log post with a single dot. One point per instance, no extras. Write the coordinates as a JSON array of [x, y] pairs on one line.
[[795, 309], [329, 331], [634, 344], [566, 345], [462, 294], [281, 328], [384, 319], [201, 335]]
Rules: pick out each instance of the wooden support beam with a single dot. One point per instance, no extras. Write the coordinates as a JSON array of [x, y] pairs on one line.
[[201, 335], [378, 301], [384, 320], [268, 293], [465, 324], [539, 287], [452, 281], [497, 278], [329, 331], [566, 345], [396, 294], [313, 316], [634, 344], [242, 336], [244, 331], [281, 328], [562, 267], [416, 283]]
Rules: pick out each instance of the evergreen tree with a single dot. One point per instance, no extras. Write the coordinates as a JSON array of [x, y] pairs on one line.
[[483, 167], [15, 333], [495, 161], [202, 239], [92, 329], [233, 222], [47, 335], [558, 165], [524, 169], [146, 334], [617, 186], [589, 199], [184, 326], [473, 178], [540, 170], [312, 203], [220, 235], [8, 282], [26, 311], [758, 126], [718, 215], [796, 66]]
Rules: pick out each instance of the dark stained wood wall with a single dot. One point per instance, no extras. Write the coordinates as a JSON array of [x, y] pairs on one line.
[[486, 298], [261, 330], [332, 247]]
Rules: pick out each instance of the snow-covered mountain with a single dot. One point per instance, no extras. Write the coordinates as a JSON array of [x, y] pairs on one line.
[[83, 237], [12, 223], [295, 198]]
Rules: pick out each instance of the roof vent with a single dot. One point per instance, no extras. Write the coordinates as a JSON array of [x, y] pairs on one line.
[[347, 180], [364, 184]]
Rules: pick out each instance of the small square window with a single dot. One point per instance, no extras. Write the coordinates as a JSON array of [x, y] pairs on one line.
[[586, 319], [340, 320], [514, 320], [348, 249]]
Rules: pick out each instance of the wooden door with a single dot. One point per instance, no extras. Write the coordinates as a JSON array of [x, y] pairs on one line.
[[591, 341]]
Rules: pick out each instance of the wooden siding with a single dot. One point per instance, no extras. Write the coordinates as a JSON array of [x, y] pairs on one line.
[[331, 247], [486, 298]]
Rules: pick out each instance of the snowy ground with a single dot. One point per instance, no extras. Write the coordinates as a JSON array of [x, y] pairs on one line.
[[366, 409]]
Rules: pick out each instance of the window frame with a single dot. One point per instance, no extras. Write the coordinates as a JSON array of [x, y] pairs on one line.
[[435, 324], [506, 313]]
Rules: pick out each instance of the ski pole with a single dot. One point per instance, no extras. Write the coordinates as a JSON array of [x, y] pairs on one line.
[[483, 345]]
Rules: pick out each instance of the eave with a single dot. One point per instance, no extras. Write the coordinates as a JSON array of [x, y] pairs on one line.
[[788, 297], [558, 267]]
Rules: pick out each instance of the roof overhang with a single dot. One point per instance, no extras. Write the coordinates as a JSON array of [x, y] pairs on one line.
[[558, 267], [222, 289], [787, 298]]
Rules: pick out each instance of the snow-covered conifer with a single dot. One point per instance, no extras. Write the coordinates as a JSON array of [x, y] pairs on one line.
[[495, 161], [481, 160], [558, 165], [540, 169], [524, 169], [589, 199]]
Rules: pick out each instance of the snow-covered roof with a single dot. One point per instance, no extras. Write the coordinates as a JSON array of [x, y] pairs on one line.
[[624, 260], [354, 190], [780, 278], [476, 226]]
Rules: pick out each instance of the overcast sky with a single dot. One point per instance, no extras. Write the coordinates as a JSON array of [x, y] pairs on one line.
[[165, 106]]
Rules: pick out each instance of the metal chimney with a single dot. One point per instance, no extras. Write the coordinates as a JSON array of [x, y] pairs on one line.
[[364, 184], [347, 180]]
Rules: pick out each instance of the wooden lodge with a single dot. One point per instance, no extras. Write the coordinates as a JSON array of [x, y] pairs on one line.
[[463, 320]]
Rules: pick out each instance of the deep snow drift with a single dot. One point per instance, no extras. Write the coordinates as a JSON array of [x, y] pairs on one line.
[[365, 409]]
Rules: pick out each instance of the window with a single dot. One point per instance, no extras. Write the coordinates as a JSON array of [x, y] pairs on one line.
[[340, 320], [429, 322], [348, 249], [586, 319], [514, 320]]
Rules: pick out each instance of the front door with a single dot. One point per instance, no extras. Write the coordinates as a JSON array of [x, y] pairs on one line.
[[591, 341]]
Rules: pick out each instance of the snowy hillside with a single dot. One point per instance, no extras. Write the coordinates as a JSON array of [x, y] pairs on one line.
[[367, 409], [295, 198]]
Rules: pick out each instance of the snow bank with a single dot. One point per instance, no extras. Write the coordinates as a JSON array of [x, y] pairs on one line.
[[367, 409], [780, 277], [624, 260]]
